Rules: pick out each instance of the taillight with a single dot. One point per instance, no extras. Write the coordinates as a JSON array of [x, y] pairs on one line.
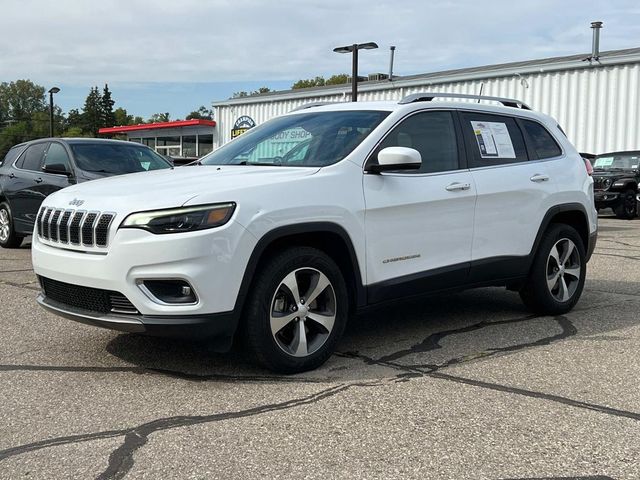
[[588, 166]]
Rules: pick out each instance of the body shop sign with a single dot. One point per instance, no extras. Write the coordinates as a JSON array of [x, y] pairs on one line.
[[242, 124]]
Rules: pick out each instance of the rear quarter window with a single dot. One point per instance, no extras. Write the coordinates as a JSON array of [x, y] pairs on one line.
[[542, 142], [11, 156]]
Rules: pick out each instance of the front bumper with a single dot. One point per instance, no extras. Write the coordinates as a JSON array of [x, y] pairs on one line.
[[219, 326], [606, 199], [211, 261]]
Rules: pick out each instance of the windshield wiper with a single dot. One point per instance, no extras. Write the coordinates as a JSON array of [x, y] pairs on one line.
[[101, 171], [259, 164]]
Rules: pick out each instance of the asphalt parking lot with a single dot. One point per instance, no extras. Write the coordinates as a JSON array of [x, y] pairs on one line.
[[468, 385]]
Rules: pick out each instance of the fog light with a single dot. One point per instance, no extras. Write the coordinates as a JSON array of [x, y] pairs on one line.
[[169, 292]]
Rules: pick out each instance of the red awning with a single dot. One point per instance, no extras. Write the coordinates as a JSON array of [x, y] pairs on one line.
[[158, 126]]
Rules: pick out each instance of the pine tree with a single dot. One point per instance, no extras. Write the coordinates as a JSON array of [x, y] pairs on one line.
[[107, 103], [92, 112]]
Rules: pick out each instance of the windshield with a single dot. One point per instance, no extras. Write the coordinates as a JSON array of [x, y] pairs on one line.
[[302, 140], [116, 158], [621, 161]]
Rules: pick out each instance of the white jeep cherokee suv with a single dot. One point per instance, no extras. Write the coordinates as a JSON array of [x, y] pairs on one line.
[[288, 230]]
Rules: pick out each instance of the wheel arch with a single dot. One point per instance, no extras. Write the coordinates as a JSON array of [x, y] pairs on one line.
[[572, 214], [328, 237]]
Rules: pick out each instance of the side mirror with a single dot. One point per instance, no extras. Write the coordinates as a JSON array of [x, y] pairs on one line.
[[56, 169], [397, 158]]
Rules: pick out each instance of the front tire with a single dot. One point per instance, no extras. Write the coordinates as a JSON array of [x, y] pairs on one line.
[[557, 276], [628, 208], [8, 236], [296, 310]]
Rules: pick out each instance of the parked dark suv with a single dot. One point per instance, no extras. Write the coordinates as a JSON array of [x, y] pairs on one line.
[[615, 181], [31, 171]]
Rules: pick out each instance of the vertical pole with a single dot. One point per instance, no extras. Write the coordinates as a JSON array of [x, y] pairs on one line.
[[50, 114], [354, 74]]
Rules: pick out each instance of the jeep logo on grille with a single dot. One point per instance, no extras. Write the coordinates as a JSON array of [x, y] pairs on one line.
[[76, 202]]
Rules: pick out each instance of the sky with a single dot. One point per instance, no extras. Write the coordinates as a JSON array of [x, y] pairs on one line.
[[173, 56]]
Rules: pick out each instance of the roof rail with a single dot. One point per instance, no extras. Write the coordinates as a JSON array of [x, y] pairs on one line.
[[313, 104], [428, 96]]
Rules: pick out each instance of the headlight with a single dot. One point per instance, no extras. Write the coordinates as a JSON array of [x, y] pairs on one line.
[[606, 183], [184, 219]]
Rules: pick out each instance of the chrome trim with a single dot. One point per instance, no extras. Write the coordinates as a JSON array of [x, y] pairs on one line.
[[156, 300]]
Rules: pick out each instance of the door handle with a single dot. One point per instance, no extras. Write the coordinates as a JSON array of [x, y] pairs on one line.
[[456, 186], [38, 180], [538, 177]]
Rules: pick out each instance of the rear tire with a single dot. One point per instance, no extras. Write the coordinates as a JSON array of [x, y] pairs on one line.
[[296, 310], [628, 208], [557, 276], [8, 236]]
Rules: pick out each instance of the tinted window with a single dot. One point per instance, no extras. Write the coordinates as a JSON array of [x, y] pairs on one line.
[[331, 136], [492, 139], [32, 158], [542, 141], [116, 158], [11, 155], [433, 135], [57, 155]]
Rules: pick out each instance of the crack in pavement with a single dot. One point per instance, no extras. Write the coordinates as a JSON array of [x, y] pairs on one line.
[[433, 342], [121, 460]]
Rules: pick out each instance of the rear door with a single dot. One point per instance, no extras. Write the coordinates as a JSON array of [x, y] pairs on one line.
[[419, 224], [514, 192], [22, 191]]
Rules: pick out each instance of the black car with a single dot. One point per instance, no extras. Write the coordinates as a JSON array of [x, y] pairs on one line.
[[615, 181], [31, 171]]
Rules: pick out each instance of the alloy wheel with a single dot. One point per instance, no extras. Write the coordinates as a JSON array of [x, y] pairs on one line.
[[303, 312], [5, 225], [563, 270]]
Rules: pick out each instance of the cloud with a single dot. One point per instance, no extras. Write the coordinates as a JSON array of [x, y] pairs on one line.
[[86, 42]]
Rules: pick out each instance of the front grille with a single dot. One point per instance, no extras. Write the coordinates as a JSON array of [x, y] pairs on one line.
[[599, 183], [87, 298], [74, 227]]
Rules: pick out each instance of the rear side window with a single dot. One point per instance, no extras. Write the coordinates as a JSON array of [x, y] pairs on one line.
[[432, 134], [32, 158], [492, 139], [541, 140], [11, 155]]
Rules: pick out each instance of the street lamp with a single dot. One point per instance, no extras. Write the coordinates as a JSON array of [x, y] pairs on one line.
[[51, 92], [353, 49]]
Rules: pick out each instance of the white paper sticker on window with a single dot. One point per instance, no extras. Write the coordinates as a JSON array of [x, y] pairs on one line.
[[493, 140], [603, 162]]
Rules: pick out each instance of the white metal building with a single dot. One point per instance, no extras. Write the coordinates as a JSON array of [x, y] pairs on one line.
[[596, 102]]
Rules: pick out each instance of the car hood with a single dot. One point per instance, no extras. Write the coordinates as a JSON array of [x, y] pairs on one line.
[[171, 188]]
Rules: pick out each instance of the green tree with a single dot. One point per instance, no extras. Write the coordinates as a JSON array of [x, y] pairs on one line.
[[13, 134], [19, 100], [337, 79], [106, 103], [311, 82], [243, 93], [73, 132], [121, 117], [159, 117], [201, 114], [92, 112]]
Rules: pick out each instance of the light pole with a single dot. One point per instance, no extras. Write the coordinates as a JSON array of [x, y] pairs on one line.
[[51, 92], [354, 63]]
